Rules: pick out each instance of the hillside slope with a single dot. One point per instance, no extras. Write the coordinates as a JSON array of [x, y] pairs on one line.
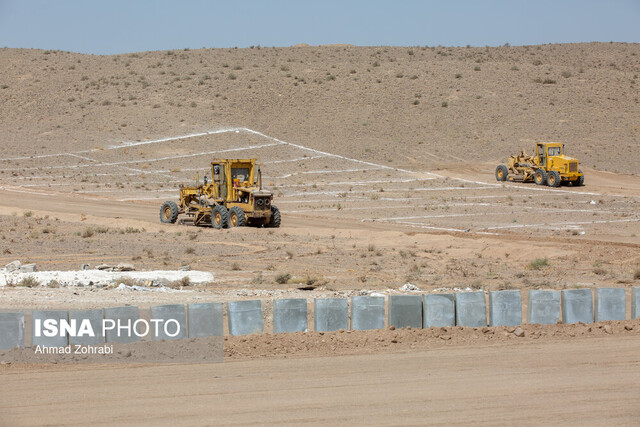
[[410, 107]]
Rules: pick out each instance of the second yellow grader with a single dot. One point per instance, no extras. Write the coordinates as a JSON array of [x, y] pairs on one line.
[[549, 166]]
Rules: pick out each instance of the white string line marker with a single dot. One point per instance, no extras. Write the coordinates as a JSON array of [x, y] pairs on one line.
[[429, 227], [298, 159], [320, 184], [568, 223], [247, 130]]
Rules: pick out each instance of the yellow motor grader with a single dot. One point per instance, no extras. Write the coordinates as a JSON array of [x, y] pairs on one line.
[[232, 198], [548, 166]]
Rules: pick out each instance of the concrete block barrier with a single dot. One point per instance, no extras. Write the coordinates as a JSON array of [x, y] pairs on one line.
[[38, 337], [543, 307], [505, 308], [471, 309], [610, 304], [95, 320], [205, 320], [11, 330], [438, 310], [405, 311], [577, 306], [122, 316], [173, 324], [289, 315], [330, 314], [367, 313], [635, 303], [245, 317]]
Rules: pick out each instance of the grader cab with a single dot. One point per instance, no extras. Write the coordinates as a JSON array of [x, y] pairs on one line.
[[548, 166], [232, 197]]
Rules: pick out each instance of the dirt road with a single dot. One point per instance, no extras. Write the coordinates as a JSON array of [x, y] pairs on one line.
[[581, 381]]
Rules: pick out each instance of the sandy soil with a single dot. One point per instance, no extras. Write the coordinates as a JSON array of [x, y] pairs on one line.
[[577, 381], [381, 161]]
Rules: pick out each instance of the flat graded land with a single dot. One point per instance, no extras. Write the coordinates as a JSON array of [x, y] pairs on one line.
[[576, 381]]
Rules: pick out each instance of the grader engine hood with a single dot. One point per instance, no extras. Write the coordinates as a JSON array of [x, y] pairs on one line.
[[563, 163]]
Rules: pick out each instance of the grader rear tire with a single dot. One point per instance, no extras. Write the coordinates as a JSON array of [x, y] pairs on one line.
[[219, 217], [501, 173], [276, 219], [237, 217], [580, 181], [169, 212], [540, 177], [553, 179]]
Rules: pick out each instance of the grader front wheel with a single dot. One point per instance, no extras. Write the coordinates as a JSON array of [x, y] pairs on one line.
[[501, 173], [169, 212]]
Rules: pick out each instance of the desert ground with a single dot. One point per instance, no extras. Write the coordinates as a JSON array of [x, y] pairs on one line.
[[381, 160]]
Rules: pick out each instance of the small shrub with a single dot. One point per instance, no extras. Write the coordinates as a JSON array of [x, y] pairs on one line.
[[88, 232], [28, 214], [445, 104], [458, 76], [371, 247], [636, 274], [28, 282], [283, 278], [185, 281], [235, 266], [476, 68], [548, 82], [539, 263], [189, 250], [566, 74], [232, 76]]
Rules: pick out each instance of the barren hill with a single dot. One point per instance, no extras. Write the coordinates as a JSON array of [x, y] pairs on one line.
[[409, 107]]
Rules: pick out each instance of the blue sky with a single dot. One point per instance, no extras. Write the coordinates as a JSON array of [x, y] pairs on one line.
[[117, 26]]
